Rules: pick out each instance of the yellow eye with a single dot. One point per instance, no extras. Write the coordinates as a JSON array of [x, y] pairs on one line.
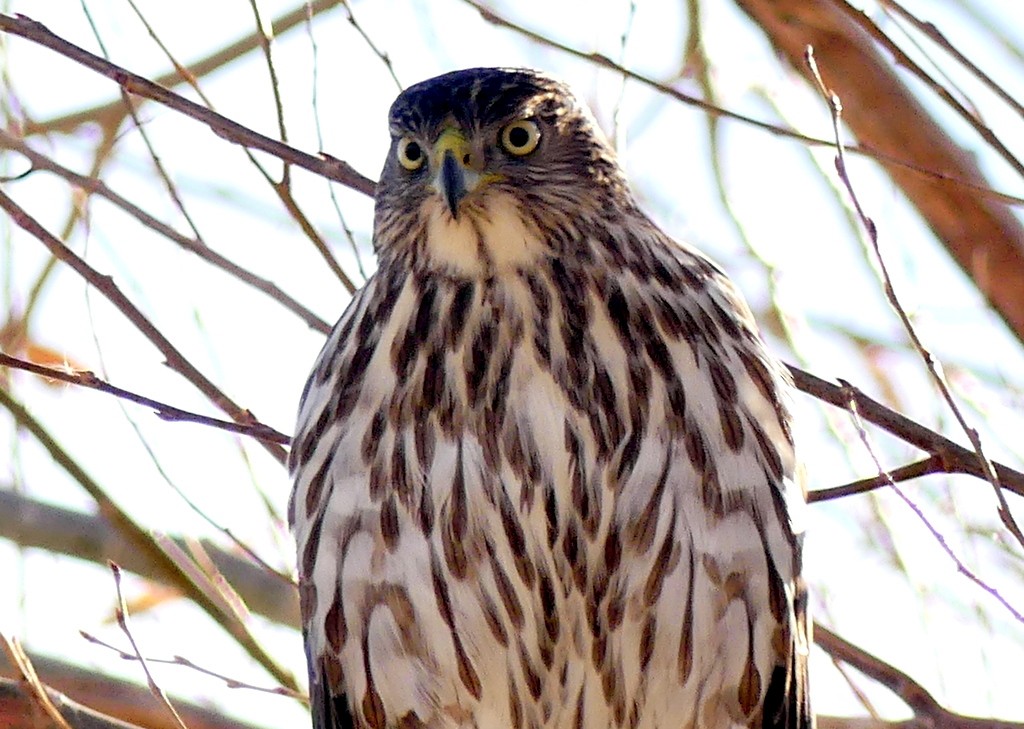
[[520, 137], [410, 153]]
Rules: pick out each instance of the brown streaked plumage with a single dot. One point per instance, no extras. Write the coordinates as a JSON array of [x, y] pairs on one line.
[[544, 469]]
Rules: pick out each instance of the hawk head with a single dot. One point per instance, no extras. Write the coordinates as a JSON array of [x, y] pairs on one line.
[[491, 167]]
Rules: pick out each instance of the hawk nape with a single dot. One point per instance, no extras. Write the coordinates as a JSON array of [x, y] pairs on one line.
[[544, 469]]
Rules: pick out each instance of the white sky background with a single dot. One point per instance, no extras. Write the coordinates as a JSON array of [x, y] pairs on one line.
[[934, 625]]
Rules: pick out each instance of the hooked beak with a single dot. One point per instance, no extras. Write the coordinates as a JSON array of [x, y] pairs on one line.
[[457, 168]]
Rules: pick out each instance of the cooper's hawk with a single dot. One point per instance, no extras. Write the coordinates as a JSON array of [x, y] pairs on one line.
[[544, 471]]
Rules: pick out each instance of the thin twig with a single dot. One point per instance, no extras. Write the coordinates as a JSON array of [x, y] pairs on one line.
[[86, 378], [601, 60], [140, 129], [931, 364], [384, 57], [325, 165], [331, 191], [851, 404], [105, 285], [283, 187], [182, 661], [95, 186], [141, 540], [122, 621], [955, 458]]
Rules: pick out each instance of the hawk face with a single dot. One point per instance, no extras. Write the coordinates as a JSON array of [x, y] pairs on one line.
[[484, 165]]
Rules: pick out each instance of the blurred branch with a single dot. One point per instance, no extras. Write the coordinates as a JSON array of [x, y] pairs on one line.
[[983, 235], [97, 699], [324, 165], [927, 711], [34, 524], [24, 669], [106, 286], [19, 709], [85, 378], [139, 539]]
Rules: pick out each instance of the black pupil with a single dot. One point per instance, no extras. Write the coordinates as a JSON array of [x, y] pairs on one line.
[[413, 151], [518, 137]]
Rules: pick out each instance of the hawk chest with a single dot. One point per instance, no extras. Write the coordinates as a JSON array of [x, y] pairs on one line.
[[500, 508]]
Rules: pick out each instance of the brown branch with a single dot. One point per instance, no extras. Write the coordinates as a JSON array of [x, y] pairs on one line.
[[955, 458], [96, 700], [930, 465], [19, 709], [85, 378], [902, 60], [936, 36], [931, 365], [95, 186], [106, 286], [892, 158], [183, 74], [982, 235], [937, 535], [926, 709], [324, 165], [25, 671]]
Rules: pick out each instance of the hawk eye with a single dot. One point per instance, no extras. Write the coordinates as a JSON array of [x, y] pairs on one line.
[[410, 153], [520, 137]]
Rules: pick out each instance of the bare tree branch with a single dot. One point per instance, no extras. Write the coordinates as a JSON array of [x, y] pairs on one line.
[[197, 69], [932, 365], [982, 235], [928, 712], [106, 286], [85, 378], [140, 539], [955, 458], [95, 186], [324, 165], [891, 158]]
